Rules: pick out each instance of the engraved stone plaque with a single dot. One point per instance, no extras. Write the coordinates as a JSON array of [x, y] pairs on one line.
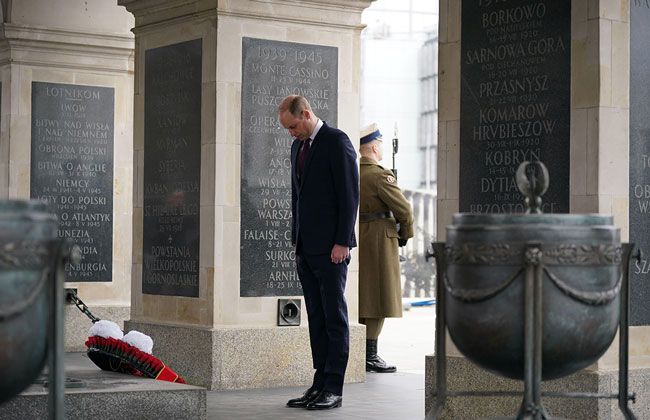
[[272, 70], [515, 101], [640, 160], [172, 170], [72, 169]]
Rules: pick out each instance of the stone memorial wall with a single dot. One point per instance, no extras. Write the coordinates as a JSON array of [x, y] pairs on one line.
[[72, 169], [172, 169], [272, 70], [515, 101], [640, 160]]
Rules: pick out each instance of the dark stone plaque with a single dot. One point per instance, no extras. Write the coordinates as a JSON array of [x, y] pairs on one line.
[[172, 170], [72, 168], [272, 70], [515, 101], [640, 160]]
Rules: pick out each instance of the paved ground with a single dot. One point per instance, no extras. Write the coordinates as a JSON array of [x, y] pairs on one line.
[[394, 396], [399, 396], [405, 341]]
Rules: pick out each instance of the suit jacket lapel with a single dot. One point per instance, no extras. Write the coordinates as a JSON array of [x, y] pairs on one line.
[[314, 144], [295, 147]]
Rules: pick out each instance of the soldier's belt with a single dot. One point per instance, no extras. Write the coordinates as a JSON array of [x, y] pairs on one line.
[[369, 217]]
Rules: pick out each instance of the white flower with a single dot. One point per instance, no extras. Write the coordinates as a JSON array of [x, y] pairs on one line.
[[141, 341], [106, 329]]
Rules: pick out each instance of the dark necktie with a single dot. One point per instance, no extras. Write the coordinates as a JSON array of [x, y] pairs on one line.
[[302, 157]]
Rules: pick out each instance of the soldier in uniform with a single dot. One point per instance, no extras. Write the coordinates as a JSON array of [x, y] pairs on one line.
[[382, 208]]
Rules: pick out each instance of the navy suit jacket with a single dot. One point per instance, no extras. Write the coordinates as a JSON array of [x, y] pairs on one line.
[[326, 198]]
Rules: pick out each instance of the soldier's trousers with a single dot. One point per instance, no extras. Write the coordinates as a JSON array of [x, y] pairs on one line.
[[373, 327]]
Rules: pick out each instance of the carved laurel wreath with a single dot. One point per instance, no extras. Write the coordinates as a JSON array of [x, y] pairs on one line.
[[521, 254], [24, 254], [514, 254]]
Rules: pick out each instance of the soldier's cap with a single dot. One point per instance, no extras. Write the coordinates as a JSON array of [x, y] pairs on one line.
[[370, 133]]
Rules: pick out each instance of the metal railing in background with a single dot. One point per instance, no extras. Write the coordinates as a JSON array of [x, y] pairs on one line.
[[418, 280]]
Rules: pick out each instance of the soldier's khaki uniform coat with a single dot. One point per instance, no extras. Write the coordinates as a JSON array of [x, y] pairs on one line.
[[380, 291]]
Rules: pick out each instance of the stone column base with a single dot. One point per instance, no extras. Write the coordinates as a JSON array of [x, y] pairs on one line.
[[76, 324], [243, 357], [462, 375]]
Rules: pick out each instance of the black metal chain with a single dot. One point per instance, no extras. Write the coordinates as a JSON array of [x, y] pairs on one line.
[[72, 295]]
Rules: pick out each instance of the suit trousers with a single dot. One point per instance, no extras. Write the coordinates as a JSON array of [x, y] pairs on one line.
[[323, 285]]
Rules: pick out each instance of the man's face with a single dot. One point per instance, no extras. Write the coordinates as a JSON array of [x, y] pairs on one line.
[[299, 126]]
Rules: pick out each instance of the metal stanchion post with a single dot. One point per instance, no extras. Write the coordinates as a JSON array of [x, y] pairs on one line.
[[56, 348], [441, 328], [623, 333]]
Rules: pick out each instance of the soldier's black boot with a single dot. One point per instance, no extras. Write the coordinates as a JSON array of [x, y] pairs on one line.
[[374, 363]]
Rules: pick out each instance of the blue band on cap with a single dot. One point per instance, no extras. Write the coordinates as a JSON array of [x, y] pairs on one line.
[[370, 137]]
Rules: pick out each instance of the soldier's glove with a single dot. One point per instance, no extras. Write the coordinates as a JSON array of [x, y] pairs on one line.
[[402, 242]]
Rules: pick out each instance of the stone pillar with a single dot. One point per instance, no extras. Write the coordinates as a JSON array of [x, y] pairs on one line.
[[66, 73], [215, 323], [599, 156]]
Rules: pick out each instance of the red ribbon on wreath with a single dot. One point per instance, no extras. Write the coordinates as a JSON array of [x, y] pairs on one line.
[[115, 355]]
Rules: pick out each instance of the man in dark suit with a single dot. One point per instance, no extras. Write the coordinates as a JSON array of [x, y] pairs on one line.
[[325, 198]]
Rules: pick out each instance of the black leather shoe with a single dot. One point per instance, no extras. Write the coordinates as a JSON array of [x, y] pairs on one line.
[[377, 364], [306, 398], [324, 401], [374, 363]]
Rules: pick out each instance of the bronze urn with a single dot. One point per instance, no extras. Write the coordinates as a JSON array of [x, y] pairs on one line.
[[532, 296], [579, 258], [27, 235]]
